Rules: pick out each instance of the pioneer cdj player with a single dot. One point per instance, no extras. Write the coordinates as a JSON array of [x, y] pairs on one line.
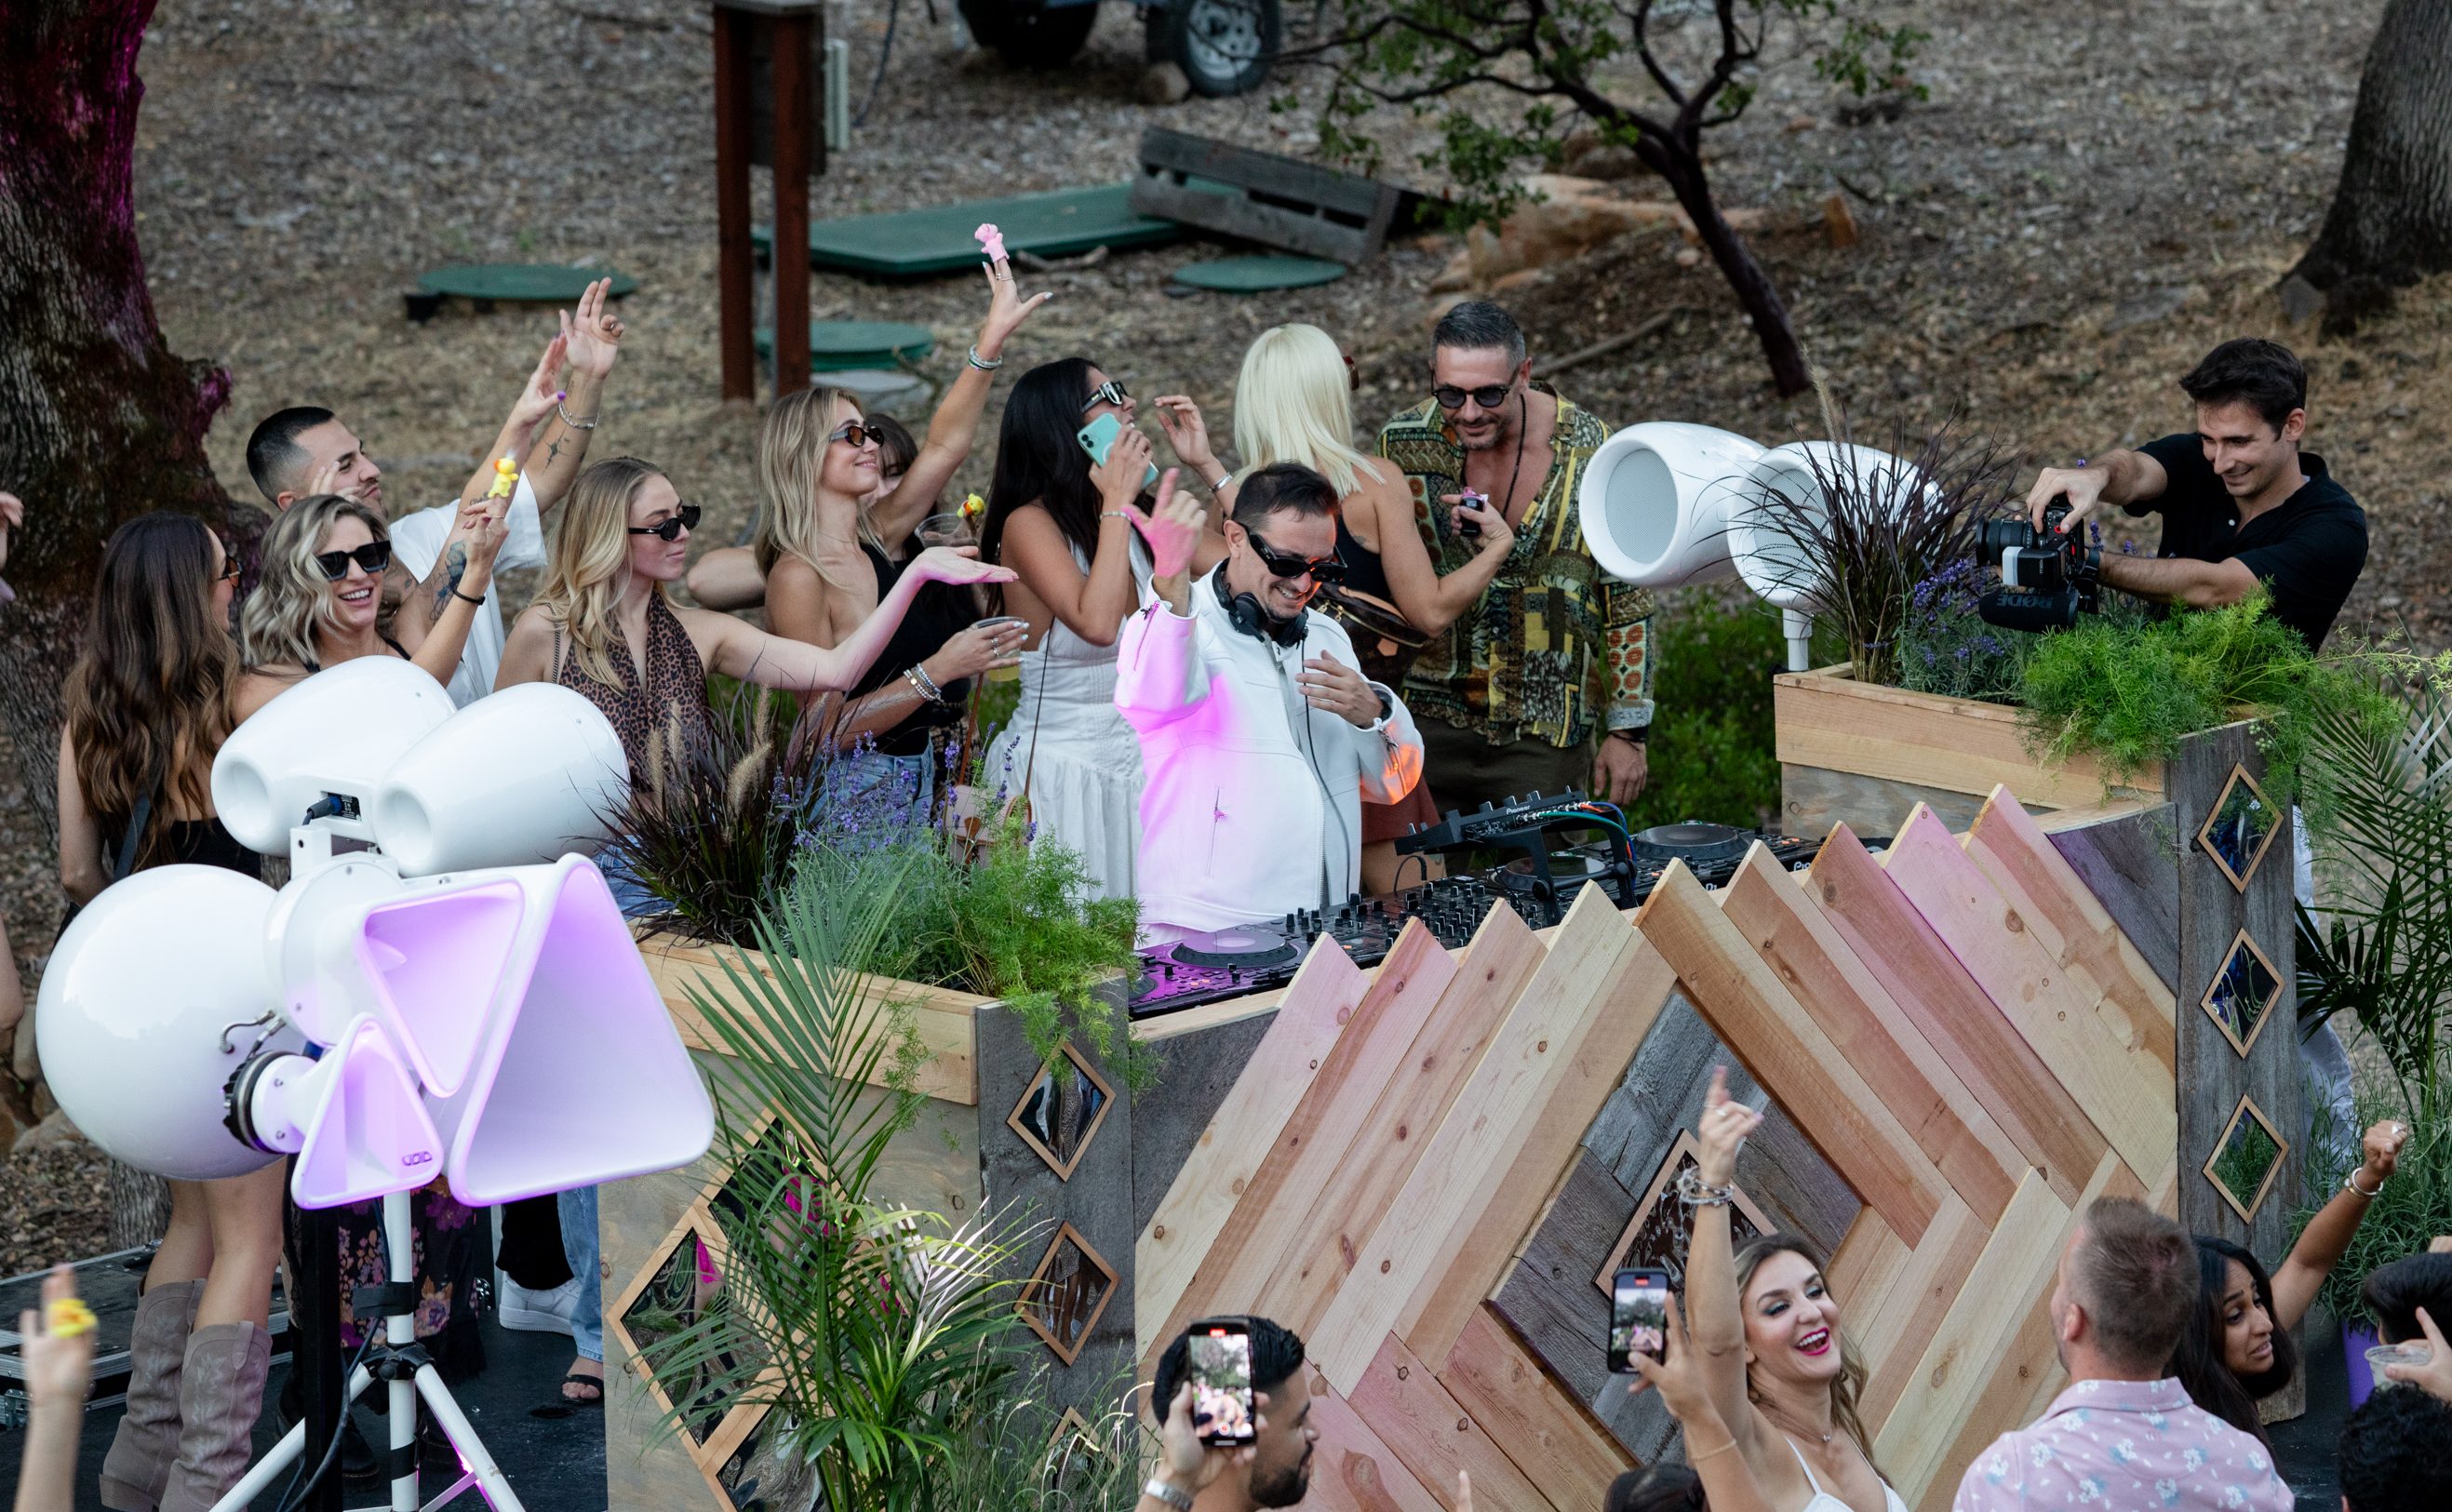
[[1540, 885]]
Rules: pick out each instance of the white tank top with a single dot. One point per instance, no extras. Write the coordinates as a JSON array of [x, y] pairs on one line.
[[1822, 1501]]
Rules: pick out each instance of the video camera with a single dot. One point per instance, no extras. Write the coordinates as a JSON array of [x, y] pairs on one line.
[[2047, 578]]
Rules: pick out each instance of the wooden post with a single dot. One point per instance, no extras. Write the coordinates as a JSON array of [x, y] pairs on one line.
[[734, 273], [767, 112]]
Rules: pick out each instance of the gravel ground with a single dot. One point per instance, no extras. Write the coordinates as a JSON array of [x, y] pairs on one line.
[[2092, 194]]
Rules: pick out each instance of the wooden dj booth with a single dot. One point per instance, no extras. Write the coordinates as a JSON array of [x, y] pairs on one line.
[[1430, 1167]]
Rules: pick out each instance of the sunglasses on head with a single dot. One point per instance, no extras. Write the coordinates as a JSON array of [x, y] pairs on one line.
[[671, 526], [1110, 392], [1489, 396], [1322, 569], [374, 556], [854, 432]]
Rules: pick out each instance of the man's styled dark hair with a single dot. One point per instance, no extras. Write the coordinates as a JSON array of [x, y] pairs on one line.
[[1284, 486], [2135, 1272], [2199, 1360], [2250, 370], [2395, 1292], [1658, 1488], [1276, 1354], [2397, 1452], [1479, 325], [273, 449]]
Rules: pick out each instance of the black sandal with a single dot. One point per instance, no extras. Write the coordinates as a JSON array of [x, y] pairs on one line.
[[593, 1382]]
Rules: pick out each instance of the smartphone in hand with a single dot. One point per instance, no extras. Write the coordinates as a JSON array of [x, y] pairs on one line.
[[1467, 526], [1098, 437], [1638, 1317], [1218, 1360]]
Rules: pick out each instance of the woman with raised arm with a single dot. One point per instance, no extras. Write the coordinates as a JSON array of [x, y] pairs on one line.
[[733, 577], [321, 599], [1768, 1333], [1294, 404], [148, 703], [1066, 529]]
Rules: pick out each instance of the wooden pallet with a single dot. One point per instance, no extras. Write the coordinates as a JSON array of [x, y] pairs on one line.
[[1262, 197], [1964, 1035]]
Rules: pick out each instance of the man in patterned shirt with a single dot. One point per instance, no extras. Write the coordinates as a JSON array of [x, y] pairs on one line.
[[1512, 697], [2125, 1434]]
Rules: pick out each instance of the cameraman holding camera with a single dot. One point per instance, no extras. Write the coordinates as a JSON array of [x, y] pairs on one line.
[[2241, 503]]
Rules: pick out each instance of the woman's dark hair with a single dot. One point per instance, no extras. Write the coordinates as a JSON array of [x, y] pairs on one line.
[[895, 449], [149, 701], [2395, 1292], [2198, 1361], [1660, 1488], [1040, 463]]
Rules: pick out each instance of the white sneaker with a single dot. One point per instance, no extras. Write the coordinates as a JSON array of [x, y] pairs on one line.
[[536, 1311]]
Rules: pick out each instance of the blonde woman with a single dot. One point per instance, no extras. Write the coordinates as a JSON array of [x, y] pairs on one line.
[[604, 625], [321, 599], [1775, 1358], [1294, 404]]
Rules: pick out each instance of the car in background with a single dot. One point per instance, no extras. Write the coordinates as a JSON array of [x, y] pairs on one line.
[[1224, 47]]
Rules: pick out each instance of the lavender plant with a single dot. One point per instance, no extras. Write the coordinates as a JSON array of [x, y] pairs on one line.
[[1946, 647]]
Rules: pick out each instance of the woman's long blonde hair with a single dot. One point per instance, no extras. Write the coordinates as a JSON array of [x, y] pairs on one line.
[[1294, 403], [295, 598], [791, 457], [588, 569], [1848, 1389]]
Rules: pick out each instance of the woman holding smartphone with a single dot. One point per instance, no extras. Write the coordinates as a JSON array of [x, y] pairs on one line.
[[1064, 525]]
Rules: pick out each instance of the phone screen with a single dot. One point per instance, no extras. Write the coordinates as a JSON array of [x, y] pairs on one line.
[[1221, 1368], [1638, 1317]]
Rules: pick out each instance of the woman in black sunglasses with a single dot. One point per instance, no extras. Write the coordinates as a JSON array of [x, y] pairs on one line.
[[321, 600]]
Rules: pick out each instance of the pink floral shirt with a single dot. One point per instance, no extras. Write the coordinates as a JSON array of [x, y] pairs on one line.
[[2120, 1446]]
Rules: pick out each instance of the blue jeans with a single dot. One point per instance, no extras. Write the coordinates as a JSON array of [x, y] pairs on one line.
[[874, 793], [577, 1207], [630, 894]]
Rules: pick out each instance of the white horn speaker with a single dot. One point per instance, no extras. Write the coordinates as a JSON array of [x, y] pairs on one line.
[[339, 731], [1794, 481], [522, 776], [1655, 502], [353, 1119]]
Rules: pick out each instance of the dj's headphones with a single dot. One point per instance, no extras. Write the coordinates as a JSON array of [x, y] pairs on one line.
[[1244, 612]]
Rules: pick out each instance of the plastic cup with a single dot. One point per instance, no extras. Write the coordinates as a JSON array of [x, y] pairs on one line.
[[945, 530], [2414, 1353]]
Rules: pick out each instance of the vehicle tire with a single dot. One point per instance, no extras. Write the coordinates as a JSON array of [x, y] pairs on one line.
[[1223, 47], [1027, 34]]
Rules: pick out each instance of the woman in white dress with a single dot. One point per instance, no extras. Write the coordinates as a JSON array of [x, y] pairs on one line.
[[1065, 529], [1766, 1331]]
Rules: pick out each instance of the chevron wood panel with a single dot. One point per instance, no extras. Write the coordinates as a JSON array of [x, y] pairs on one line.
[[1961, 1030]]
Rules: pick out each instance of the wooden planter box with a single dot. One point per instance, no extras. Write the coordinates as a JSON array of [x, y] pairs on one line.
[[1866, 755]]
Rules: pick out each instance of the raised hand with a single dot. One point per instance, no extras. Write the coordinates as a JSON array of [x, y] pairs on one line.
[[2381, 1149], [1187, 1463], [1007, 309], [1172, 527], [593, 334], [327, 481], [1119, 479], [989, 644], [1726, 1123], [1187, 433], [958, 564], [1678, 1378], [543, 389], [1330, 684], [58, 1349], [2435, 1376]]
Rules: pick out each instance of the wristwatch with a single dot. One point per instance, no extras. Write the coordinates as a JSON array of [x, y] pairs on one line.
[[1172, 1496], [1387, 705]]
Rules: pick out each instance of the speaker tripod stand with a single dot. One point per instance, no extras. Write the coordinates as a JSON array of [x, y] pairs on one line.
[[399, 1363]]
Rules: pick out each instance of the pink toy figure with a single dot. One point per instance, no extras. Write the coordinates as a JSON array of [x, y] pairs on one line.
[[991, 242]]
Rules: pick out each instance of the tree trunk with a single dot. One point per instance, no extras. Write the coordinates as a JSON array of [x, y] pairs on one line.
[[1682, 170], [139, 1206], [98, 421], [2391, 220]]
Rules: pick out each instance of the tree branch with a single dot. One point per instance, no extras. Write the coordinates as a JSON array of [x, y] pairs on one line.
[[1642, 37]]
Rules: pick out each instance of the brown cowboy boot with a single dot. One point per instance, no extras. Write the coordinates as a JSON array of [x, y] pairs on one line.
[[142, 1451], [220, 1394]]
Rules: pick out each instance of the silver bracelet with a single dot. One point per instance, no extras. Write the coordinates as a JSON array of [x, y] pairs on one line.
[[1123, 515], [1695, 1192], [927, 684], [982, 363], [2350, 1183], [1159, 1490], [575, 424], [1224, 479]]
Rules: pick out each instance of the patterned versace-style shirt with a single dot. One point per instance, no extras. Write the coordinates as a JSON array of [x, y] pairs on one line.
[[2122, 1445], [1553, 650]]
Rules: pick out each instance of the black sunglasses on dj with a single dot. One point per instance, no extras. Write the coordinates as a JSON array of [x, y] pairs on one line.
[[1322, 569], [671, 526], [1489, 396], [1111, 392], [374, 556]]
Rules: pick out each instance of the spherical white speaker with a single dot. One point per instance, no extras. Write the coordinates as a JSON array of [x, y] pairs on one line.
[[154, 996]]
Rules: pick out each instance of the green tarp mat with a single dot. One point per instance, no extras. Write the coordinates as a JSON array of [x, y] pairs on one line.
[[1254, 275], [540, 282], [837, 346], [910, 243]]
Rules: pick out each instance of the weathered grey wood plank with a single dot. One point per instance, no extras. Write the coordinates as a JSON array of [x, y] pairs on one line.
[[2132, 866], [1195, 1071]]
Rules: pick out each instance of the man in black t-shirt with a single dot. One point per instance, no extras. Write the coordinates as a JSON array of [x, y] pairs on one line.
[[2241, 503]]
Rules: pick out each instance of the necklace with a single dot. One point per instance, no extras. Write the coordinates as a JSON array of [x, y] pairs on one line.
[[1789, 1424], [1523, 423]]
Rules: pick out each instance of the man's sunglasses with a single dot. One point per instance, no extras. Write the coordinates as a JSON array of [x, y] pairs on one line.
[[854, 432], [1450, 397], [374, 556], [1110, 392], [1324, 569], [671, 526]]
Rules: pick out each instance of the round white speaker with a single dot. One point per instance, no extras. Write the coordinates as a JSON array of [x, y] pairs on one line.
[[522, 776], [337, 732], [1655, 502]]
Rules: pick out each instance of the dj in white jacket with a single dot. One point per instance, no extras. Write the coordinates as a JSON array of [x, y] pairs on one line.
[[1260, 738]]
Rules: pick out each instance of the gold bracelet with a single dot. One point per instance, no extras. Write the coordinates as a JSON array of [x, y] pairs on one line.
[[1692, 1459]]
